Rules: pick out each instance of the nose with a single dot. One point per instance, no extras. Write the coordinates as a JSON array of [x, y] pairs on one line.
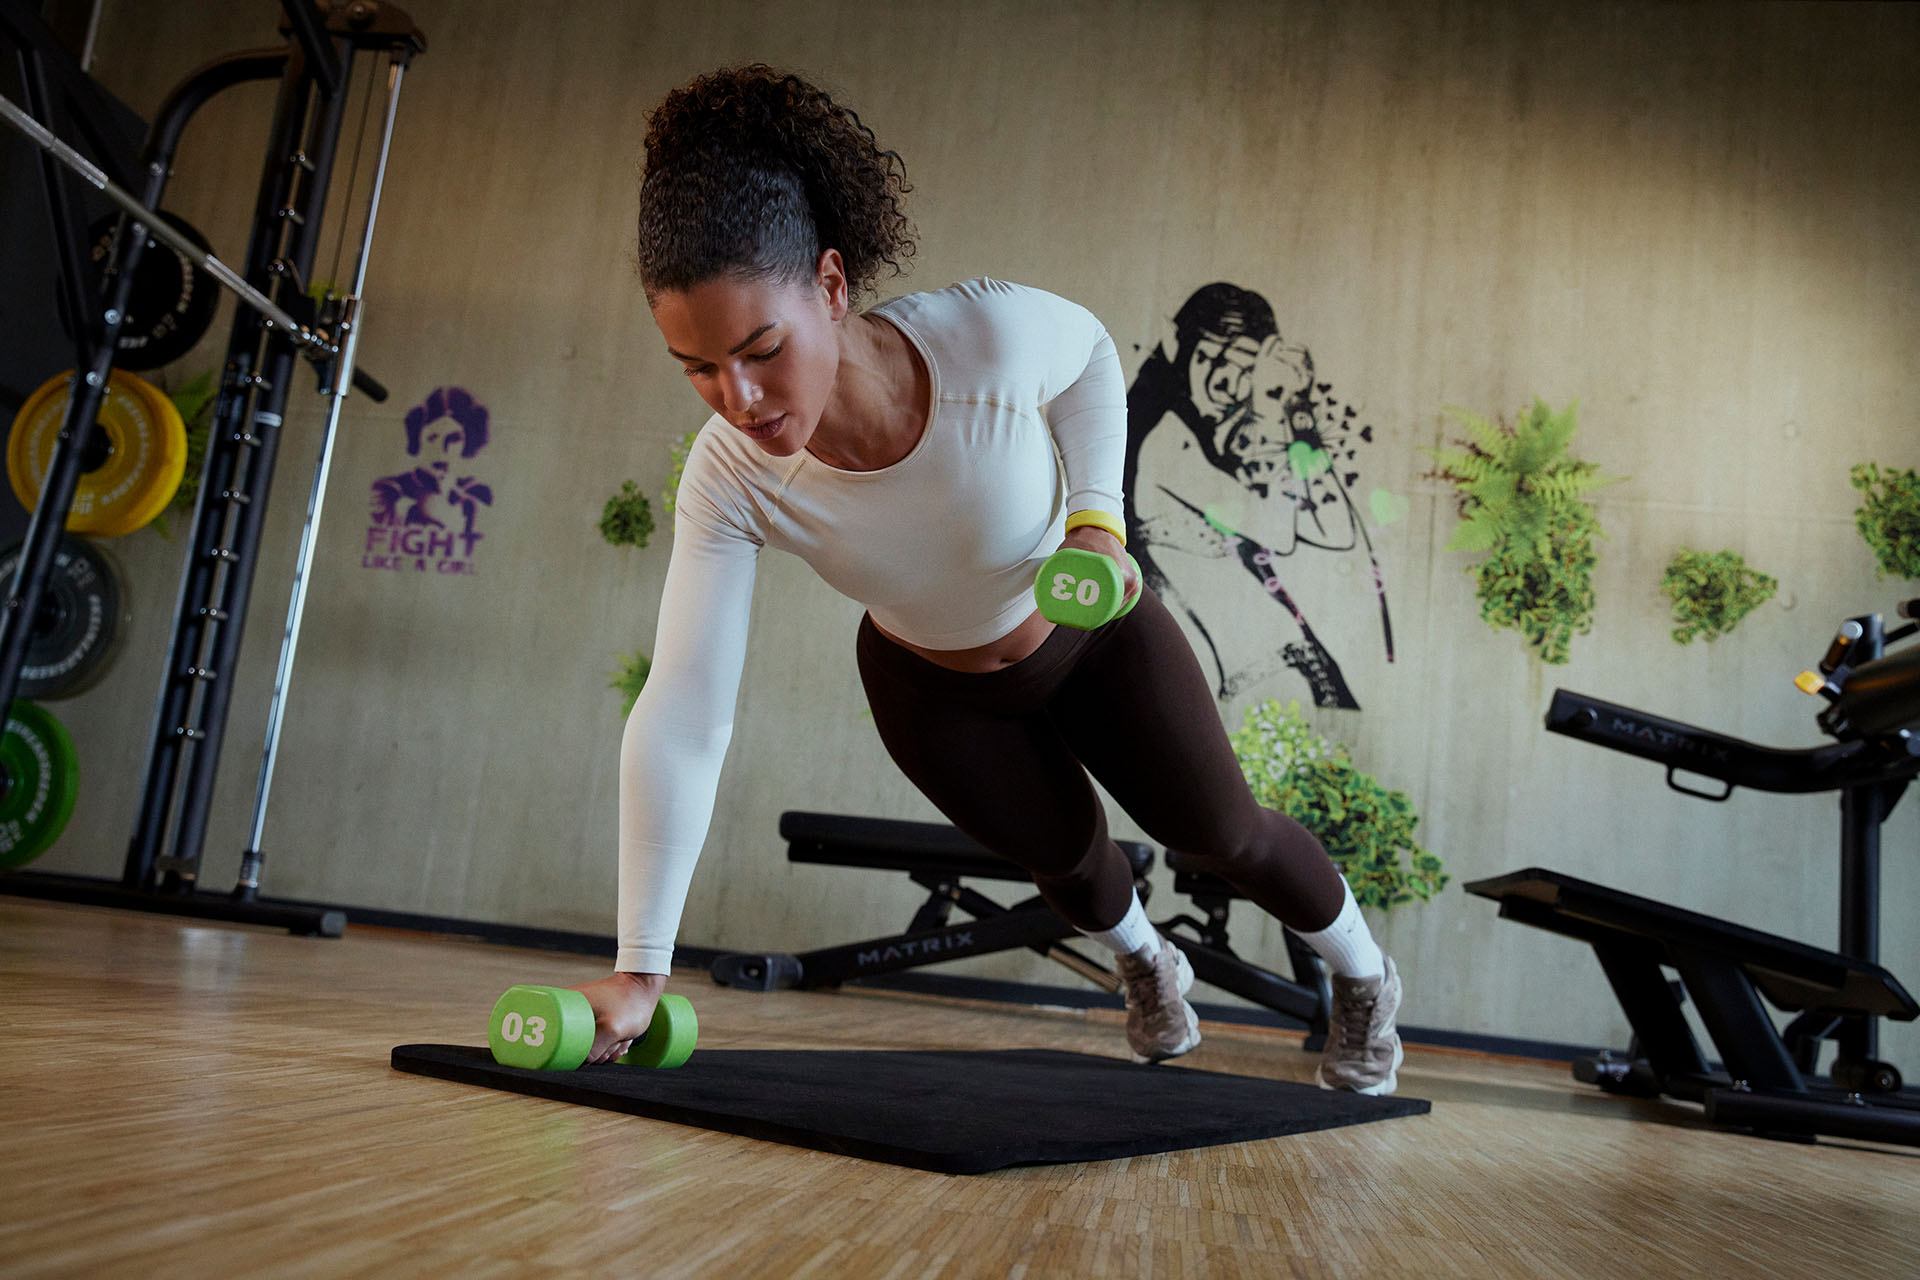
[[739, 394]]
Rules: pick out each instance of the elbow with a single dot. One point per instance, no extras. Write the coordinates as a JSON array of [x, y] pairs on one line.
[[660, 722]]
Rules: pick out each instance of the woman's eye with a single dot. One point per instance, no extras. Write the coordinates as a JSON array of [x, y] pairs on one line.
[[765, 356]]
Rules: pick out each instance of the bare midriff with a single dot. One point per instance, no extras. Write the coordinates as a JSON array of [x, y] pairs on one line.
[[1004, 652]]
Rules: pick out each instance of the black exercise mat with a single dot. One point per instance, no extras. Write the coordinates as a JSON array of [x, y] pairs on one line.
[[951, 1112]]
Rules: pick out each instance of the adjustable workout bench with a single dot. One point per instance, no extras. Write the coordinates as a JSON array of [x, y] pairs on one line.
[[938, 858], [1725, 968]]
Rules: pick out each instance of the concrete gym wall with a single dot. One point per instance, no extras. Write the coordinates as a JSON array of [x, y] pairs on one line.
[[1697, 220]]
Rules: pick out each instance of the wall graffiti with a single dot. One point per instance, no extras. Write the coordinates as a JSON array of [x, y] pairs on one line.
[[1239, 460], [423, 518]]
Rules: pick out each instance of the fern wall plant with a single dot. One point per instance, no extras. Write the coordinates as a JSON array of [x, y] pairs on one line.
[[629, 678], [677, 464], [195, 403], [1523, 500]]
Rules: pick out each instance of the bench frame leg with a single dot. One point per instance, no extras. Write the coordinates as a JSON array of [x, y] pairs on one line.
[[931, 939], [1306, 998]]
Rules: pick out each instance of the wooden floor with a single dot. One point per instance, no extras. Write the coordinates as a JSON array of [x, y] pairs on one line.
[[212, 1101]]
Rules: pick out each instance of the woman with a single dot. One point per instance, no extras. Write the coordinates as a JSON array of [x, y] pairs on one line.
[[907, 453]]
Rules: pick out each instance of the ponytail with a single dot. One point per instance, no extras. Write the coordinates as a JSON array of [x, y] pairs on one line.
[[754, 173]]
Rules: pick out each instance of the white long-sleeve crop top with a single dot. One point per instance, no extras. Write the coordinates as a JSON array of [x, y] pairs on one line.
[[941, 547]]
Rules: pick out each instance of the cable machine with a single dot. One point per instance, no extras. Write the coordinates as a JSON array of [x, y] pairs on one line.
[[277, 321]]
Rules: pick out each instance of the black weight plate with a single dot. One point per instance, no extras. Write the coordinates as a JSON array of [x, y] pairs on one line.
[[173, 300], [80, 623]]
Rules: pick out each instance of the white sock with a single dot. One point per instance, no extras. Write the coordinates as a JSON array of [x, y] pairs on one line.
[[1133, 936], [1347, 944]]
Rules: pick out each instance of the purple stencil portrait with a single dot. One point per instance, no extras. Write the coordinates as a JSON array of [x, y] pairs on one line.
[[422, 518]]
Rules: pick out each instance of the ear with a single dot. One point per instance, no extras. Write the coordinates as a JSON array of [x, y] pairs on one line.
[[830, 276]]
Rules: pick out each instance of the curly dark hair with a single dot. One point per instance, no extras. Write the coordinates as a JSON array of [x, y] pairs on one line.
[[753, 173]]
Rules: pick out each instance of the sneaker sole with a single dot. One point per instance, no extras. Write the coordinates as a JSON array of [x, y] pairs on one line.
[[1384, 1087]]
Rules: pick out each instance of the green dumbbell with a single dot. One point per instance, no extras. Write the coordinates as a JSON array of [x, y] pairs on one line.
[[551, 1029], [670, 1036], [1083, 589]]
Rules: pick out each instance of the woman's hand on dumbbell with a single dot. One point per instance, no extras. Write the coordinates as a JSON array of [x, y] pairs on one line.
[[1090, 538], [623, 1005], [626, 1018], [1088, 582]]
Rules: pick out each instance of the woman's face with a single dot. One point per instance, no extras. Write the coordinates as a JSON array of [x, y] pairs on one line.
[[762, 355]]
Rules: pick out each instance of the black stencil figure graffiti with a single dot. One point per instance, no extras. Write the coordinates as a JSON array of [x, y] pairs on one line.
[[1236, 455]]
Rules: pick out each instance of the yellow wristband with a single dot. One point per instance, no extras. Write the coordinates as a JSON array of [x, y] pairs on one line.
[[1099, 520]]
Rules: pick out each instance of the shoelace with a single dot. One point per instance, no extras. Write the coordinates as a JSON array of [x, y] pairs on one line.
[[1142, 981], [1354, 1020]]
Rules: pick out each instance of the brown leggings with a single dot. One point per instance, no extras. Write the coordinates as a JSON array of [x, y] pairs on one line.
[[1001, 754]]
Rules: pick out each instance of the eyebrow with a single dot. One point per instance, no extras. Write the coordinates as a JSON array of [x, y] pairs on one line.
[[742, 345]]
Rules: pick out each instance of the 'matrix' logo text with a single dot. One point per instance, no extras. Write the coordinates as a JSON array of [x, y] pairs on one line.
[[1667, 740], [909, 948]]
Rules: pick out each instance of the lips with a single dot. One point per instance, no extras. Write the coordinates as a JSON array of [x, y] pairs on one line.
[[766, 430]]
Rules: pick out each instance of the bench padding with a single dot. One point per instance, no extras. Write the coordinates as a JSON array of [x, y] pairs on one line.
[[1793, 975], [889, 844]]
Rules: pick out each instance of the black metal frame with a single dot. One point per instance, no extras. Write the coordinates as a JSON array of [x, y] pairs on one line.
[[1307, 997], [938, 858], [191, 711], [1766, 1083], [1871, 776], [1726, 968]]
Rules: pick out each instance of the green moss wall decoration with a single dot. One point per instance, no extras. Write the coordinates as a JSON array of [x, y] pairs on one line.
[[1711, 592], [1366, 827], [630, 679], [1889, 517], [627, 519]]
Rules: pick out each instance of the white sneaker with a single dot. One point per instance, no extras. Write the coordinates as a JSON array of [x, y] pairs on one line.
[[1160, 1022], [1363, 1046]]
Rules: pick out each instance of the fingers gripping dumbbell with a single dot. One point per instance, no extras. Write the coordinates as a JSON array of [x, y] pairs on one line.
[[1083, 589], [551, 1029]]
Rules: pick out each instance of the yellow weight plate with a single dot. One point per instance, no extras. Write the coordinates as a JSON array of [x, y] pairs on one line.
[[173, 454], [146, 460]]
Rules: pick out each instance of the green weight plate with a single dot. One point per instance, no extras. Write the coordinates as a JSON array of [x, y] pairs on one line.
[[670, 1036], [43, 775], [541, 1028], [79, 625]]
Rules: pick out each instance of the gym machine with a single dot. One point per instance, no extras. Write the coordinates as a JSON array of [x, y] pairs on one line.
[[278, 320], [1766, 1083], [938, 858]]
